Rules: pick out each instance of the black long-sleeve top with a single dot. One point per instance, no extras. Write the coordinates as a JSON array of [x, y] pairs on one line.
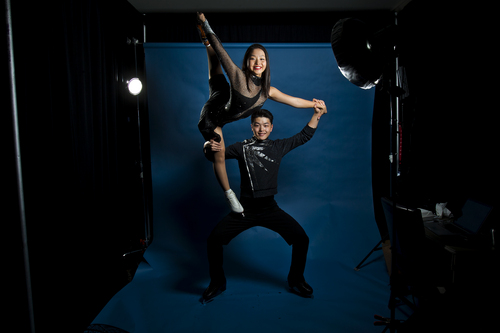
[[259, 161]]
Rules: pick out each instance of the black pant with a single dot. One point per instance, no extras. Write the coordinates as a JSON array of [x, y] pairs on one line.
[[212, 112], [263, 212]]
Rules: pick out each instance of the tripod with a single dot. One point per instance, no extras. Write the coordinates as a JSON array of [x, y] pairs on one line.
[[377, 247]]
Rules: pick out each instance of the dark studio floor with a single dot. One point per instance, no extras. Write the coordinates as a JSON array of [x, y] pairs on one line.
[[345, 300]]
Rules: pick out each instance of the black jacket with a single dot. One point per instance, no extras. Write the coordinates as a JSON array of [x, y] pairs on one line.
[[259, 161]]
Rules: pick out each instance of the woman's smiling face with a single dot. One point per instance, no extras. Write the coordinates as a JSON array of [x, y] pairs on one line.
[[257, 62]]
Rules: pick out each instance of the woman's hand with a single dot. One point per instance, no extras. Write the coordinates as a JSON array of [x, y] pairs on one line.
[[319, 106]]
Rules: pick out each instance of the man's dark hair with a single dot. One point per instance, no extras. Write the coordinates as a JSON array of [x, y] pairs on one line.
[[262, 113]]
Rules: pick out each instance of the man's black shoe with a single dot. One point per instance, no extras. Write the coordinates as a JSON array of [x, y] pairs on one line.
[[213, 290], [301, 288]]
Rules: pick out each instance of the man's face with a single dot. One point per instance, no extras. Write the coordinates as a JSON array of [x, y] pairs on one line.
[[262, 127]]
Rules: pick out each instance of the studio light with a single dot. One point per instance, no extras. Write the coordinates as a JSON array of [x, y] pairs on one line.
[[134, 86], [358, 53], [367, 59]]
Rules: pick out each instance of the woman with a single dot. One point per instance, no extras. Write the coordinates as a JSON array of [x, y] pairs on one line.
[[248, 90]]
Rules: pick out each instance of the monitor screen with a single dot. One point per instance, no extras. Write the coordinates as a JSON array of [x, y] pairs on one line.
[[474, 214]]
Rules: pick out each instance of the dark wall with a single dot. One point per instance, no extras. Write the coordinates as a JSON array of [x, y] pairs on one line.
[[277, 27], [448, 114], [446, 111], [79, 153]]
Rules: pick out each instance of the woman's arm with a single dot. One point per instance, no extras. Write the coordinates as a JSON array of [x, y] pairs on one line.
[[296, 102]]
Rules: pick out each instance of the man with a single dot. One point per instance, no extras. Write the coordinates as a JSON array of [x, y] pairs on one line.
[[259, 159]]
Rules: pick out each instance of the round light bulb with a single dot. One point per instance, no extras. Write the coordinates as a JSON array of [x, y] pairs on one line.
[[134, 86]]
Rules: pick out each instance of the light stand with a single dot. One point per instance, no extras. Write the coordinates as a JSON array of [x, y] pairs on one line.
[[148, 228], [29, 305], [369, 59]]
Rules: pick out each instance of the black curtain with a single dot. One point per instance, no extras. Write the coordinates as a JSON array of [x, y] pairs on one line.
[[448, 127], [250, 27], [80, 157], [446, 115]]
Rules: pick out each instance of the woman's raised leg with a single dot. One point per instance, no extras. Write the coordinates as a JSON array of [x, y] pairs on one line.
[[221, 175], [220, 163], [214, 67]]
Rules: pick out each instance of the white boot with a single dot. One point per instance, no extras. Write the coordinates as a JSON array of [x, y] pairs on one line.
[[233, 201]]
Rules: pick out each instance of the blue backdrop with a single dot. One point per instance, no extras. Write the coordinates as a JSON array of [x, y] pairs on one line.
[[325, 184]]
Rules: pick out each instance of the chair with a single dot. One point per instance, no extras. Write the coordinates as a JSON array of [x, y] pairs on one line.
[[407, 236]]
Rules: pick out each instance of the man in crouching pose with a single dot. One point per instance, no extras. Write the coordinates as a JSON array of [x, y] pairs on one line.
[[259, 159]]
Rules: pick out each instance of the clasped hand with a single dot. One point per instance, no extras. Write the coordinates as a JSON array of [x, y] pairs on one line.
[[212, 145]]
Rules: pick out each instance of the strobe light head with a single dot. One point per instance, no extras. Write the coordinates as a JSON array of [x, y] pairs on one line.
[[356, 52]]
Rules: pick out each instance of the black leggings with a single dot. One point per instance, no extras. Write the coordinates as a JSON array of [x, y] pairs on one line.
[[263, 212], [213, 110]]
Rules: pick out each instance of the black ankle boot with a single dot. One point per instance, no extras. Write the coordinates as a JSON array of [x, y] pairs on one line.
[[213, 290], [301, 288]]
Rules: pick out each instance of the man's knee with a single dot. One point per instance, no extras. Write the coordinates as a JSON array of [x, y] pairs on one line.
[[299, 239], [304, 239]]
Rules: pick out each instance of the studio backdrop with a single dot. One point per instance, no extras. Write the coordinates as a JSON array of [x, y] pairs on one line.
[[325, 184]]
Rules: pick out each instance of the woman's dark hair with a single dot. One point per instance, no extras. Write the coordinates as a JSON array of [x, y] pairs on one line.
[[262, 113], [266, 76]]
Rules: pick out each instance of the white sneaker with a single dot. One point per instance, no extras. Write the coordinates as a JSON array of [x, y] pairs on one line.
[[233, 201]]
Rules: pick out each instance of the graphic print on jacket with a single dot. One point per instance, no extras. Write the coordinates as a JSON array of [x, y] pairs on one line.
[[260, 160], [251, 154]]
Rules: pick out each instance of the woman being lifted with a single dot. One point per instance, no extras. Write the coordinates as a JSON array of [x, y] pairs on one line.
[[249, 88]]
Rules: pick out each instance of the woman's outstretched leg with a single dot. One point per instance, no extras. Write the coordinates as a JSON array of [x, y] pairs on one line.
[[214, 67], [221, 175], [219, 95]]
